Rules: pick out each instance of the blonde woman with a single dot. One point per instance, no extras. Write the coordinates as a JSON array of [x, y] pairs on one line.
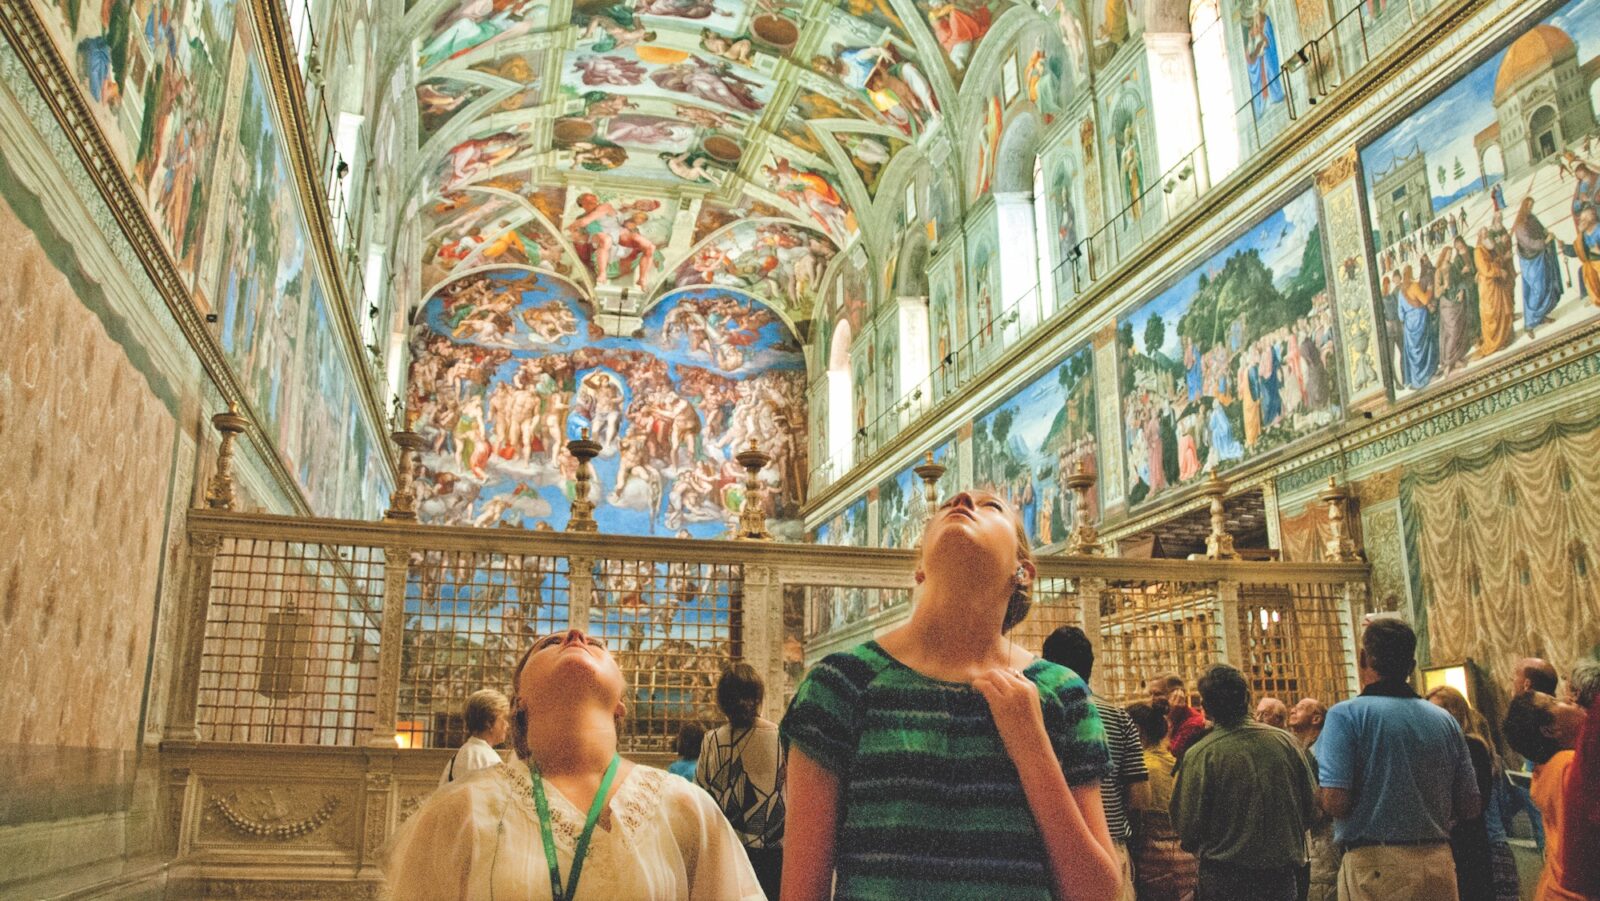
[[568, 819], [940, 761], [1485, 869], [488, 718]]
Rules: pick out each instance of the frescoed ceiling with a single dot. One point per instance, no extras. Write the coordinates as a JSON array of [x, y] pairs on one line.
[[638, 146]]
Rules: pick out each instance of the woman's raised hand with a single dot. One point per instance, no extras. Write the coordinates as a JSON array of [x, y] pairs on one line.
[[1014, 704]]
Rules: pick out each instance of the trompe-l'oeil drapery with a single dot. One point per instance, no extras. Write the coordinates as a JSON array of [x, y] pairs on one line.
[[1508, 542]]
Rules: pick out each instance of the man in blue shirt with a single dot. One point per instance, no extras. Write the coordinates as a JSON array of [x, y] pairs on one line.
[[1395, 773]]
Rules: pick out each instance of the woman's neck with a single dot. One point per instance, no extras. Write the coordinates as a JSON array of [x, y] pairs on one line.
[[951, 635], [581, 742]]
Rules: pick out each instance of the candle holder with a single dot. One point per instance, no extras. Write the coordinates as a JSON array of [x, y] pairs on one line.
[[403, 502], [219, 491], [1084, 539], [752, 518], [930, 472], [584, 450], [1341, 547], [1219, 544]]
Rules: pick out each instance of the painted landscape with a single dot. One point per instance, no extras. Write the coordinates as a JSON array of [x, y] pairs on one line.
[[1024, 448], [902, 512], [1234, 360]]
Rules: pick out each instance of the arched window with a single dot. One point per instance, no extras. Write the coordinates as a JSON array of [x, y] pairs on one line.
[[1022, 304], [911, 360], [841, 403], [1214, 83], [1041, 241]]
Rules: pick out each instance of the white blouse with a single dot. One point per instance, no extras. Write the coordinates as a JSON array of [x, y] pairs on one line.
[[660, 839], [474, 754]]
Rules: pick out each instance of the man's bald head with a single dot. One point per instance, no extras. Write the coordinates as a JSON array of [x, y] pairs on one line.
[[1272, 712], [1306, 718], [1533, 674]]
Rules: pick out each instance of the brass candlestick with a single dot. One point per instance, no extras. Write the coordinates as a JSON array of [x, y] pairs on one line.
[[1219, 544], [584, 450], [1341, 546], [930, 472], [403, 502], [752, 518], [1084, 538], [219, 492]]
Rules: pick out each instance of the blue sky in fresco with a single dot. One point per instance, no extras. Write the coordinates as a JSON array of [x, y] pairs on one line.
[[1445, 127]]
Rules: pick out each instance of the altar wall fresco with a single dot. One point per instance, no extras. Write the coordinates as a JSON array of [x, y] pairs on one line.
[[511, 364]]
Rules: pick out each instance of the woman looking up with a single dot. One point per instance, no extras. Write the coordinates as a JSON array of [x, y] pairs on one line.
[[939, 761], [569, 819]]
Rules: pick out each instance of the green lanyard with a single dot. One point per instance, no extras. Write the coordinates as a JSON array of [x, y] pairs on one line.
[[582, 849]]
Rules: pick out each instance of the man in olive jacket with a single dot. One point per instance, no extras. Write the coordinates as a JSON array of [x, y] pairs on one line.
[[1243, 799]]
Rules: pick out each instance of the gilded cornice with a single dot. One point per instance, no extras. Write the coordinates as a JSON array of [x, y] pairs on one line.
[[57, 86], [1336, 173], [276, 52], [1265, 173]]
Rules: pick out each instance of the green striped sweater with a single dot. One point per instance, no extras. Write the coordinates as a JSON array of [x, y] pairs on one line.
[[932, 807]]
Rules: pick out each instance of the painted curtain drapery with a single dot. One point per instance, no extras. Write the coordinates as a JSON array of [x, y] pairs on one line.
[[1507, 541]]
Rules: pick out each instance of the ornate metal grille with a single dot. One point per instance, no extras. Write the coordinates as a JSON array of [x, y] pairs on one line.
[[291, 644], [672, 625], [1151, 628], [1055, 604], [469, 615], [1291, 641]]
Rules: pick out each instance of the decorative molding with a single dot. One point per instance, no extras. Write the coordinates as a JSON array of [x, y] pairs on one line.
[[57, 87], [1496, 392], [1336, 173], [274, 826]]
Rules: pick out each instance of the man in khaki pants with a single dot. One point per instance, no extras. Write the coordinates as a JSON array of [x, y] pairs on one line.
[[1395, 772]]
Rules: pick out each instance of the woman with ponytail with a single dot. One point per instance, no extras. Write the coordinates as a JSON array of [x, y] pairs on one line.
[[939, 761], [568, 819], [741, 766]]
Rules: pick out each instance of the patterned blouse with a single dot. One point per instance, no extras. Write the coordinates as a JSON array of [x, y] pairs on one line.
[[932, 806]]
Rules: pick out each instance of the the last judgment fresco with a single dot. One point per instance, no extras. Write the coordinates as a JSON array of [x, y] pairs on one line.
[[510, 364]]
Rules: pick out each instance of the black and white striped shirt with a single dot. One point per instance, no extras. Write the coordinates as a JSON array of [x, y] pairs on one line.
[[1127, 766]]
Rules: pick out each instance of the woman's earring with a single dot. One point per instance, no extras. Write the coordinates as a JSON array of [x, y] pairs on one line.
[[1022, 573]]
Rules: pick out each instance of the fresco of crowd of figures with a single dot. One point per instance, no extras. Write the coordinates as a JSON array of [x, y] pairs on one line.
[[184, 102], [1480, 208], [1482, 218], [511, 364]]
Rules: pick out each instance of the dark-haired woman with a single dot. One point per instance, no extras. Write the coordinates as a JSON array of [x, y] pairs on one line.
[[1165, 871], [569, 818], [741, 766], [941, 762]]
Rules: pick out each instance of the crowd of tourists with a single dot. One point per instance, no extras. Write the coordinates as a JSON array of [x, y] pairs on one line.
[[940, 761]]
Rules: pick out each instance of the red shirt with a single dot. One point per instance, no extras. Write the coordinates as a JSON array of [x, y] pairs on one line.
[[1186, 732], [1580, 842]]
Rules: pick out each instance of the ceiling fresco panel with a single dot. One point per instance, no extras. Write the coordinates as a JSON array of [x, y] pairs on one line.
[[644, 146]]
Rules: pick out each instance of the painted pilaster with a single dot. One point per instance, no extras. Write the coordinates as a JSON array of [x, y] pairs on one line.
[[1108, 420], [1351, 281]]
